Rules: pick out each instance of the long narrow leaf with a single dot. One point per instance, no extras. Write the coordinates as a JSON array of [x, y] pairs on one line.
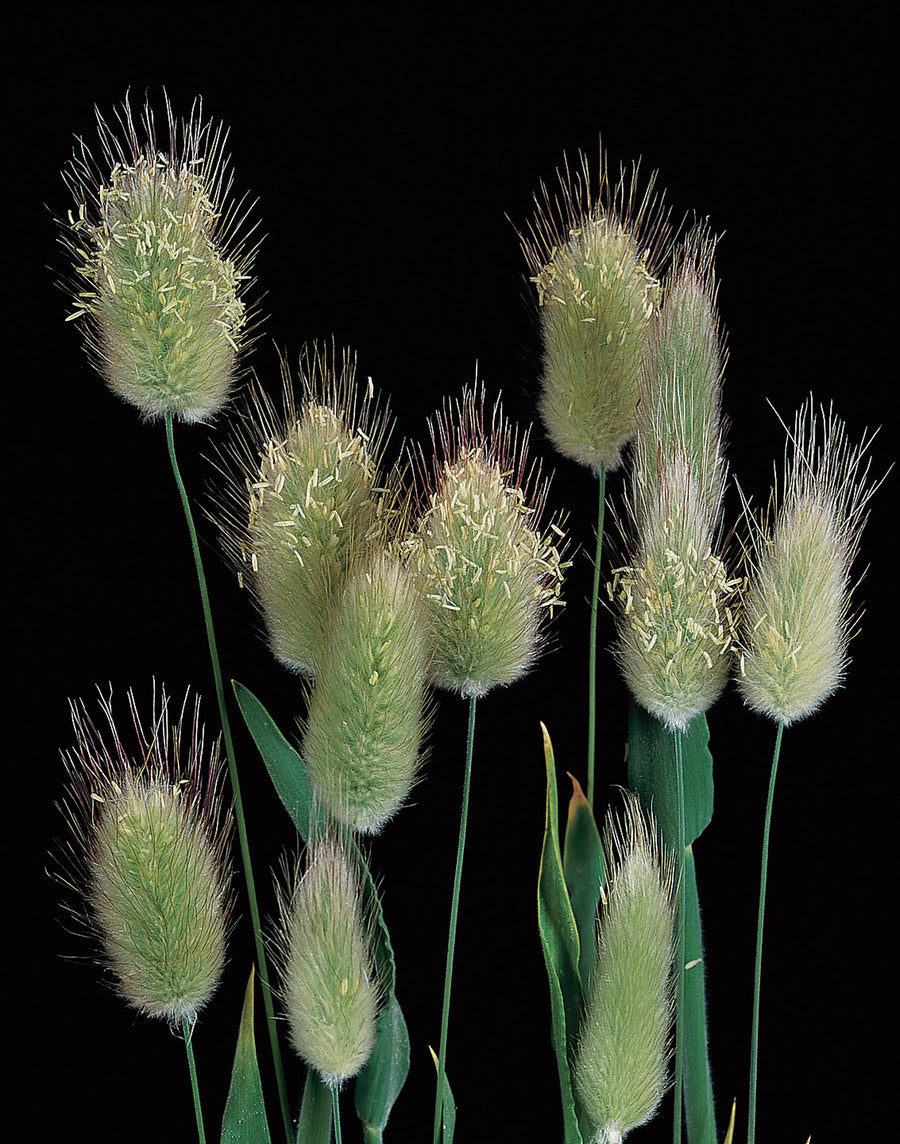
[[244, 1121], [315, 1111], [448, 1106], [380, 1082], [651, 774], [559, 941], [699, 1108], [584, 868], [284, 765]]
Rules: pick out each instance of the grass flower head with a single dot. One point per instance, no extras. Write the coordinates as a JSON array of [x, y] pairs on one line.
[[624, 1044], [148, 852], [594, 263], [367, 713], [797, 613], [330, 992], [160, 268], [303, 502], [676, 600], [490, 571]]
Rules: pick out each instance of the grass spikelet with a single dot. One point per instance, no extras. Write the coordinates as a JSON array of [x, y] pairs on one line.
[[148, 852], [594, 261], [624, 1044], [676, 600], [330, 992], [160, 264], [797, 618], [303, 501], [490, 572], [367, 713]]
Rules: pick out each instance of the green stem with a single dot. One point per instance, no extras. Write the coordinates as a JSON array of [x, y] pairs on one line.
[[592, 651], [336, 1113], [454, 911], [760, 923], [235, 784], [680, 945], [187, 1029]]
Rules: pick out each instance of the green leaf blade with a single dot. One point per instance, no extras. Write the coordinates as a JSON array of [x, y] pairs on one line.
[[284, 765], [244, 1121], [584, 869], [560, 945]]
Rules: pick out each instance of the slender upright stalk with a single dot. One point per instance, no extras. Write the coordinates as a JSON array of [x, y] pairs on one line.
[[760, 923], [235, 783], [454, 911], [187, 1030], [680, 951], [592, 654], [336, 1113]]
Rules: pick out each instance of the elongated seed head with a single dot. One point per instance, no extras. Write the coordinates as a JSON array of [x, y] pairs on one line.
[[330, 993], [676, 601], [624, 1044], [367, 713], [594, 262], [797, 618], [149, 855], [491, 572], [160, 267], [303, 504]]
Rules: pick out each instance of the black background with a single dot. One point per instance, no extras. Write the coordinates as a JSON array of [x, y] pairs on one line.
[[392, 153]]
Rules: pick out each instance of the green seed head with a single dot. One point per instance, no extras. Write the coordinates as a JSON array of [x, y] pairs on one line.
[[151, 856], [330, 993], [491, 574], [597, 295], [797, 622], [159, 271], [624, 1044], [680, 411], [677, 603], [367, 712], [677, 609], [303, 505]]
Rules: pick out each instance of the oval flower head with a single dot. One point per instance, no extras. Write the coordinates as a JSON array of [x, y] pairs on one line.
[[303, 503], [594, 261], [619, 1070], [367, 712], [675, 598], [149, 852], [797, 621], [490, 572], [160, 267], [330, 992]]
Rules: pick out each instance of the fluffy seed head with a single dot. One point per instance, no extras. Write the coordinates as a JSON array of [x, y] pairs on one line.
[[594, 262], [148, 853], [330, 993], [624, 1043], [367, 712], [676, 601], [303, 504], [797, 621], [490, 572], [160, 269]]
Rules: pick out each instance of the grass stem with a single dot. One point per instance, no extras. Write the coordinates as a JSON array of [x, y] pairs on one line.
[[454, 912], [680, 945], [235, 783], [760, 924], [592, 651], [187, 1030]]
